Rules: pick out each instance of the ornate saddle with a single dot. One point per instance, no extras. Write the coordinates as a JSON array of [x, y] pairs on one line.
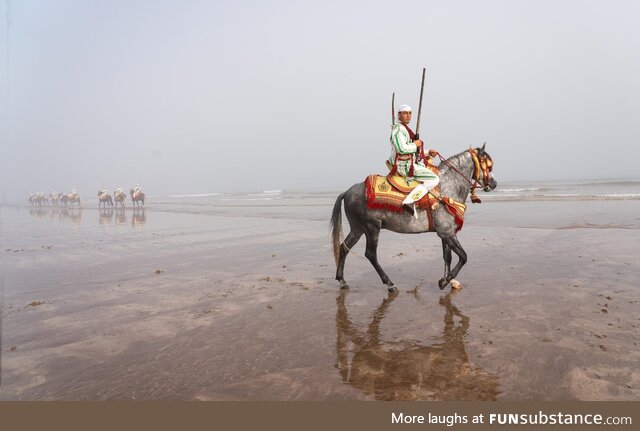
[[388, 192]]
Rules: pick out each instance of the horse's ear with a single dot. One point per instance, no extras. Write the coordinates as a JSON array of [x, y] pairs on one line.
[[483, 145]]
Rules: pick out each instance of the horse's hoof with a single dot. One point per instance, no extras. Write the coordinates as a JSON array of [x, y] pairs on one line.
[[455, 284], [443, 283], [343, 285], [392, 289], [390, 286]]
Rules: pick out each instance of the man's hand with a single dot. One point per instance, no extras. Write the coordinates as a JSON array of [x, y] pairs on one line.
[[433, 153], [418, 142]]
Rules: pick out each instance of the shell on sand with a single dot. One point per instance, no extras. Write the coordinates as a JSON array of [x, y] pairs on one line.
[[456, 284]]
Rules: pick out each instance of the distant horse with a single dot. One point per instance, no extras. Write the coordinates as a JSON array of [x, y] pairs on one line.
[[137, 197], [73, 198], [456, 175], [38, 199], [55, 200], [119, 197], [104, 198]]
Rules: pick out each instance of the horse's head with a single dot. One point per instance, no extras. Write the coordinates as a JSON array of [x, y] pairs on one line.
[[484, 169]]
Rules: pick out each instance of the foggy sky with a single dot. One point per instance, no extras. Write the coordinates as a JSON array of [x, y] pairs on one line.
[[212, 96]]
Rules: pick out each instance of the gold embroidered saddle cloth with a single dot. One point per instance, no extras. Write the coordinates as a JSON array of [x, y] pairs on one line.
[[388, 192]]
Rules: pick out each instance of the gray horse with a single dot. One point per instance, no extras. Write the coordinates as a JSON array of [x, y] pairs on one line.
[[458, 175]]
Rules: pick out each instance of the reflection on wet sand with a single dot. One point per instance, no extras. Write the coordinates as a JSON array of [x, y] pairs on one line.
[[406, 369], [75, 215], [139, 217], [121, 215], [105, 215], [38, 212], [62, 214]]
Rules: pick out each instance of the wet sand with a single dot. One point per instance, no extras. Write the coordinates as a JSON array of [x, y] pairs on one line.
[[239, 303]]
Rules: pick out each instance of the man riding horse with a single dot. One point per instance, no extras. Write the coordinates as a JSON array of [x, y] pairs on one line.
[[378, 202], [403, 159]]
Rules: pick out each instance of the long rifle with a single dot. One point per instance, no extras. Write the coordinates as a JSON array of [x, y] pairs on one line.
[[393, 109], [420, 150], [420, 105]]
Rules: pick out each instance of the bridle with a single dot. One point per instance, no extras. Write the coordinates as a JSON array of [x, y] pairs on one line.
[[481, 164]]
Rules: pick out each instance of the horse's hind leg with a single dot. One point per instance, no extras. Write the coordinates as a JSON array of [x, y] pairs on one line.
[[454, 244], [373, 232], [345, 247]]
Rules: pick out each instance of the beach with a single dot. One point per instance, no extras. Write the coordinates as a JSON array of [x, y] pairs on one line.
[[214, 297]]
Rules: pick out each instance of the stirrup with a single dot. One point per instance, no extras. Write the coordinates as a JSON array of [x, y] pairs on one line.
[[411, 208]]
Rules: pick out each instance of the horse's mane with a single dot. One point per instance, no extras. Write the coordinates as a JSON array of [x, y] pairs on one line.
[[451, 182], [454, 160]]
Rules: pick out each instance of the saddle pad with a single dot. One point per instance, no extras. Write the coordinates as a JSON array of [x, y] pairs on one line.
[[381, 193]]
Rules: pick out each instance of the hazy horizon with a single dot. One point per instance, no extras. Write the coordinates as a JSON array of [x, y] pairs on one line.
[[201, 97]]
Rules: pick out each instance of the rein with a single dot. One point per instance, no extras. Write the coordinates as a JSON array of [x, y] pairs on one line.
[[446, 162], [474, 185]]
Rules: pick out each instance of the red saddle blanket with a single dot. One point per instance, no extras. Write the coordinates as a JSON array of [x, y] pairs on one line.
[[387, 193]]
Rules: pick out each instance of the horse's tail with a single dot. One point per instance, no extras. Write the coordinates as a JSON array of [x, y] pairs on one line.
[[336, 227]]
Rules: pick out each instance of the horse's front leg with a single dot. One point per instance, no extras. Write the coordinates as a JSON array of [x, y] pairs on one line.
[[453, 244], [372, 233], [446, 255]]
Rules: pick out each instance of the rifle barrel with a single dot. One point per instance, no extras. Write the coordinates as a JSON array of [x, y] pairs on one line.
[[393, 109], [420, 104]]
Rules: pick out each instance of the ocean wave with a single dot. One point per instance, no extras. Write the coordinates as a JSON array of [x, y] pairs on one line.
[[244, 199], [198, 195], [591, 195], [557, 196], [275, 192], [619, 195], [526, 189], [608, 183]]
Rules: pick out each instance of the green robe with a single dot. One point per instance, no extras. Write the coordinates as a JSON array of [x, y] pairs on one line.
[[401, 144]]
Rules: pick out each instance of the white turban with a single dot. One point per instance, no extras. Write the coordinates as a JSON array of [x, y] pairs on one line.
[[404, 108]]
